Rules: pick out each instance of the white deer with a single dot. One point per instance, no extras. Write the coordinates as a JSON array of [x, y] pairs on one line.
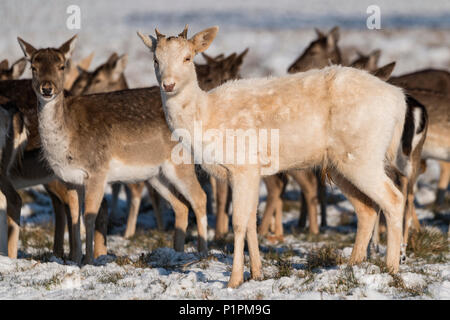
[[343, 119]]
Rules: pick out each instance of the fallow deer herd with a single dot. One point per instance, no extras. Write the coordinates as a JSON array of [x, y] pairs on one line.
[[75, 131]]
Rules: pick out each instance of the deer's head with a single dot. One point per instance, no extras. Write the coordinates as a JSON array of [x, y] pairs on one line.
[[218, 70], [72, 70], [14, 72], [48, 67], [320, 53], [367, 62], [174, 57], [105, 78]]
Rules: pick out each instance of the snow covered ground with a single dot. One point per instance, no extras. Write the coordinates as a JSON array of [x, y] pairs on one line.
[[302, 267]]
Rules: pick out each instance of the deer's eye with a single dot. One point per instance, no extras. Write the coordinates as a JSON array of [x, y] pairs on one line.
[[187, 59], [33, 68], [62, 67]]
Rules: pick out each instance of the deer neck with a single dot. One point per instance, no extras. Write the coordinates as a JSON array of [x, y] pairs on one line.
[[55, 137], [186, 107]]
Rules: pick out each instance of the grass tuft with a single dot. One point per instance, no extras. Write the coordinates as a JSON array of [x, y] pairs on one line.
[[429, 243], [324, 257]]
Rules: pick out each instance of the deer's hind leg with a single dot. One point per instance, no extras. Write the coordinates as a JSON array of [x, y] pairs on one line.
[[154, 199], [274, 186], [3, 226], [13, 207], [223, 199], [444, 179], [372, 180], [184, 179], [308, 183], [366, 211], [133, 211]]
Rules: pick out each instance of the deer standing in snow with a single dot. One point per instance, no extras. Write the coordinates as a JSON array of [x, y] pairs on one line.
[[343, 119], [92, 140]]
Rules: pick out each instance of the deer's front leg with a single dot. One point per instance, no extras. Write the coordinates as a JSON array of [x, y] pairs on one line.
[[94, 191], [245, 186]]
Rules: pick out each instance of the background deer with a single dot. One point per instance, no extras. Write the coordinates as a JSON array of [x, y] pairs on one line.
[[73, 70], [369, 62], [355, 158], [67, 127], [13, 72]]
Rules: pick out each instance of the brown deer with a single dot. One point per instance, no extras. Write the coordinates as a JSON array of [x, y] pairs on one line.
[[72, 70], [358, 121], [121, 136], [13, 72], [432, 87], [367, 62], [320, 53], [62, 197], [27, 168], [110, 77]]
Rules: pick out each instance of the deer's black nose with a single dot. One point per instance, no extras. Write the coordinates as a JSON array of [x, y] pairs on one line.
[[46, 89], [168, 87]]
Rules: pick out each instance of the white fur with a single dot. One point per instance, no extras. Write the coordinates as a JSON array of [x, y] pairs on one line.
[[417, 115], [55, 144], [120, 171], [436, 152]]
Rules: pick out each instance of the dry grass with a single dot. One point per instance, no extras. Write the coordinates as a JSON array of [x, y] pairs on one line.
[[139, 263], [111, 278], [38, 238], [430, 244], [397, 282], [324, 257], [150, 240]]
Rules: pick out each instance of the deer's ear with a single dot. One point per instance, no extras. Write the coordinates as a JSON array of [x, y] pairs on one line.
[[374, 56], [240, 58], [28, 49], [119, 67], [209, 59], [319, 33], [149, 41], [4, 64], [228, 62], [18, 68], [334, 33], [384, 73], [67, 47], [203, 39], [80, 69], [112, 58], [86, 62]]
